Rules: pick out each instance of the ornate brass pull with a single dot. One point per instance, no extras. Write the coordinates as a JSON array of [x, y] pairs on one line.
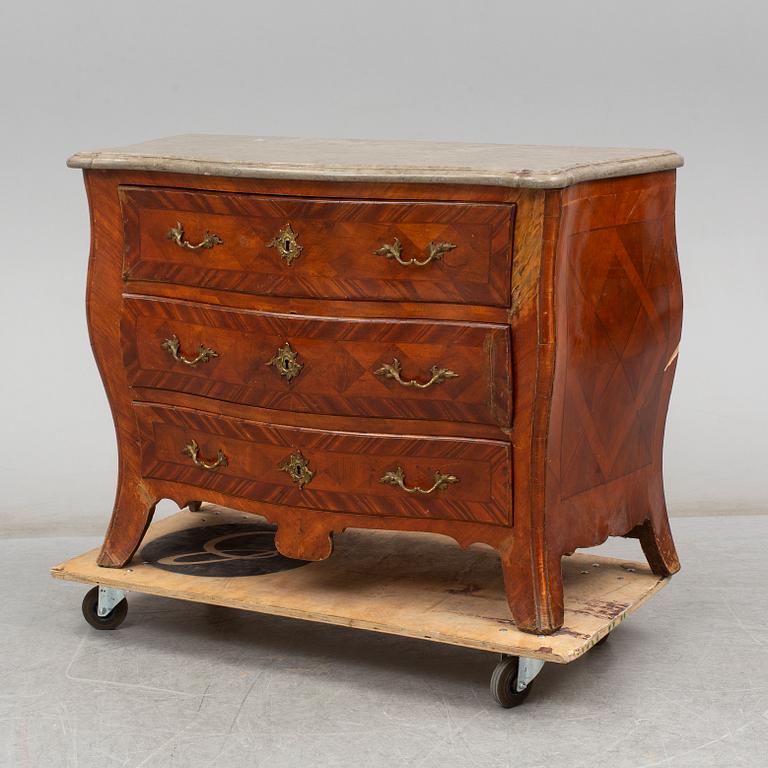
[[397, 478], [298, 469], [392, 371], [172, 347], [394, 251], [193, 451], [286, 361], [177, 235], [286, 242]]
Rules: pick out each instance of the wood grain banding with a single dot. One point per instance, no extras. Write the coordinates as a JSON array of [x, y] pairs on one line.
[[581, 311], [340, 357], [338, 237], [347, 466]]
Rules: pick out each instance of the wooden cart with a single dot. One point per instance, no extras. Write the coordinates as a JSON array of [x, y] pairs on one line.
[[411, 584]]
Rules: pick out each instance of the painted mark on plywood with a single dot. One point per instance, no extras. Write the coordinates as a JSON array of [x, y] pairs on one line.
[[565, 631], [228, 550], [600, 609]]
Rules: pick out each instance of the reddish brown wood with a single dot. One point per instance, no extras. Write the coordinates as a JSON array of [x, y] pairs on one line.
[[340, 357], [339, 239], [618, 315], [533, 586], [592, 324], [331, 307], [347, 466], [337, 190], [376, 425]]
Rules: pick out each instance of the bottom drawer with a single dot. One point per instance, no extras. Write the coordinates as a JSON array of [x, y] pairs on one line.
[[344, 472]]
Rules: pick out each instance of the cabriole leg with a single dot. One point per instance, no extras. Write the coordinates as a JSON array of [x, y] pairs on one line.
[[536, 603], [658, 546], [130, 519]]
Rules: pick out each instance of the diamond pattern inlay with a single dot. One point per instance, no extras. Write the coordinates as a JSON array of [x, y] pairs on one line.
[[617, 304]]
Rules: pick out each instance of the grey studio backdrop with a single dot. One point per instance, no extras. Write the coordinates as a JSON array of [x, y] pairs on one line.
[[80, 75]]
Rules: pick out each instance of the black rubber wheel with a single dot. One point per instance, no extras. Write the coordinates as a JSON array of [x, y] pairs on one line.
[[602, 640], [504, 684], [112, 620]]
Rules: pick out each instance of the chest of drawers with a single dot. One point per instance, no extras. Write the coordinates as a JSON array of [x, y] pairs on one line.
[[471, 340]]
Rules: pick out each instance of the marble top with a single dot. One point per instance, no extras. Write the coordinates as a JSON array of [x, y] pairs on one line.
[[510, 165]]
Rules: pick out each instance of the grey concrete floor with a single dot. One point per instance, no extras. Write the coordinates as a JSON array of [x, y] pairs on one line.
[[683, 682]]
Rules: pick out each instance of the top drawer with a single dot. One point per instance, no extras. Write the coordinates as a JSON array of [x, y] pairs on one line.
[[318, 248]]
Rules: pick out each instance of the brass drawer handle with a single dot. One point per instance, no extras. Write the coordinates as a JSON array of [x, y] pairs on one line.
[[298, 469], [397, 478], [394, 251], [286, 242], [177, 235], [392, 371], [286, 361], [172, 347], [193, 451]]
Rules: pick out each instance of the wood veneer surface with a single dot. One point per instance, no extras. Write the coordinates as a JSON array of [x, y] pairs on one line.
[[592, 322]]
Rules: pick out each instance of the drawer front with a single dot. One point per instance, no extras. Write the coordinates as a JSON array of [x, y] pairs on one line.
[[393, 369], [453, 252], [350, 472]]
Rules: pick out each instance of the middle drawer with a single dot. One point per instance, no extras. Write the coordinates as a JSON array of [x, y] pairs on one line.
[[394, 369]]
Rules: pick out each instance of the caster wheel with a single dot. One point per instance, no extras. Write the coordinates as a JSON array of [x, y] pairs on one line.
[[602, 640], [112, 620], [194, 506], [504, 684]]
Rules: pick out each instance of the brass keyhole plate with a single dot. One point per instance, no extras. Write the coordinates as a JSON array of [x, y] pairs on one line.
[[286, 361], [286, 243], [298, 469]]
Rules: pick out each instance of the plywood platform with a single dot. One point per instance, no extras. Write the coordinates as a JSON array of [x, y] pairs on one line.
[[417, 585]]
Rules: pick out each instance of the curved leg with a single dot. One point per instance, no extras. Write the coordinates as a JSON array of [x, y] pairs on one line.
[[535, 599], [131, 517], [658, 546]]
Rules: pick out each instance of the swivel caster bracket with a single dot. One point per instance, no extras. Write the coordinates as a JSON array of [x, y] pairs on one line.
[[109, 597], [527, 669]]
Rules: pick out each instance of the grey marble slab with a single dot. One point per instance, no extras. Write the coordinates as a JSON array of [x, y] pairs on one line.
[[510, 165]]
